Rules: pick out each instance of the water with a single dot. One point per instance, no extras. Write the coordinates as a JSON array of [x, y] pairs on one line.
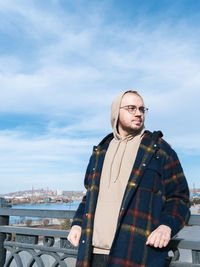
[[54, 206], [50, 206]]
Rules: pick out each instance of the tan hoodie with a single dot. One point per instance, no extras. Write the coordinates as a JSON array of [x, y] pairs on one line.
[[117, 166]]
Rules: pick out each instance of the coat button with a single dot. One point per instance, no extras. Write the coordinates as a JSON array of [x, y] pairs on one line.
[[155, 145], [86, 214], [83, 241], [93, 169], [144, 164]]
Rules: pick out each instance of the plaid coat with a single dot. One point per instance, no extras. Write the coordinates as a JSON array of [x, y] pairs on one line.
[[156, 193]]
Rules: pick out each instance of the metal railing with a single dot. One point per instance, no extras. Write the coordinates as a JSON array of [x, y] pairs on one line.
[[42, 244], [28, 246]]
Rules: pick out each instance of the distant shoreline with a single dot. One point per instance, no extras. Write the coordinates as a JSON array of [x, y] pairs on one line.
[[41, 203]]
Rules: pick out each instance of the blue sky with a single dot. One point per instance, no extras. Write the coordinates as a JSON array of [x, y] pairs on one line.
[[62, 63]]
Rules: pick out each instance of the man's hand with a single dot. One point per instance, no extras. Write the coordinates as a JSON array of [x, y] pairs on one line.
[[159, 237], [74, 235]]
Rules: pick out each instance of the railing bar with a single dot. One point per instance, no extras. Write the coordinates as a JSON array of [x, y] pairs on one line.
[[194, 220], [33, 231], [183, 264], [176, 242], [37, 213], [71, 252], [185, 244]]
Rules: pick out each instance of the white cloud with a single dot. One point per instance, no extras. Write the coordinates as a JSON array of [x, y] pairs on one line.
[[78, 65], [44, 146], [189, 144], [25, 181], [41, 160]]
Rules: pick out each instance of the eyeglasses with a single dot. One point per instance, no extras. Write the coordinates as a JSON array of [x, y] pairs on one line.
[[132, 109]]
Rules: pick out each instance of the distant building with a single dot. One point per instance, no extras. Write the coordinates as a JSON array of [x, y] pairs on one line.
[[59, 192]]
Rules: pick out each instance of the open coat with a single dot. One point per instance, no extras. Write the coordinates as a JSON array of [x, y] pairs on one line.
[[156, 193]]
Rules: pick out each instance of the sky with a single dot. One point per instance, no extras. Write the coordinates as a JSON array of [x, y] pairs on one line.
[[62, 62]]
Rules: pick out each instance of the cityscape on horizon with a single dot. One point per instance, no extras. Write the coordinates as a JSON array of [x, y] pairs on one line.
[[46, 195], [42, 195]]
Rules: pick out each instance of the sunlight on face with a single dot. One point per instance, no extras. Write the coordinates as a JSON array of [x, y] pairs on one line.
[[130, 123]]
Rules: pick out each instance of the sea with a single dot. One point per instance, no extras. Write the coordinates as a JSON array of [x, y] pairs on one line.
[[51, 206]]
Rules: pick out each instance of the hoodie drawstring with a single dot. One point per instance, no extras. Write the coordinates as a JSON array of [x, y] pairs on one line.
[[119, 164]]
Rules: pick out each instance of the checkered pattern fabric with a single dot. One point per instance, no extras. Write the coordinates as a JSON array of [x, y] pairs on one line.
[[157, 193]]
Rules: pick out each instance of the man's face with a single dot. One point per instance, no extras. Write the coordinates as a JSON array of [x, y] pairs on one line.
[[130, 123]]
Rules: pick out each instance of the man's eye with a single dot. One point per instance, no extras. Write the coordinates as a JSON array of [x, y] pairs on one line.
[[142, 109]]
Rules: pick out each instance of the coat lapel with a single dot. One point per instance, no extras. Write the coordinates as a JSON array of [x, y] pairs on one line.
[[146, 150], [99, 156]]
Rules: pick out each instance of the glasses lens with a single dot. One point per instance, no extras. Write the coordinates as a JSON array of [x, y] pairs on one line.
[[131, 109]]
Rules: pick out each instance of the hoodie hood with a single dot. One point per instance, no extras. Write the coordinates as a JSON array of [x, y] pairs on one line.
[[115, 114], [115, 107]]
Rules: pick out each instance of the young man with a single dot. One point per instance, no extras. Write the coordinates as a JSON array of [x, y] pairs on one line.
[[137, 196]]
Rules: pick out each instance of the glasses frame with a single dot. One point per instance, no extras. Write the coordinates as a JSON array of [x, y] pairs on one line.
[[141, 109]]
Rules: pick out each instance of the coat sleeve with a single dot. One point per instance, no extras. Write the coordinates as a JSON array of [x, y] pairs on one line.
[[176, 210], [78, 217]]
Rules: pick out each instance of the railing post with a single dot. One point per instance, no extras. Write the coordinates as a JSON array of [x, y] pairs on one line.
[[195, 256], [4, 220]]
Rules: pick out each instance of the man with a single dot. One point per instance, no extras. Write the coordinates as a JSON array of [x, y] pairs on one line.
[[137, 196]]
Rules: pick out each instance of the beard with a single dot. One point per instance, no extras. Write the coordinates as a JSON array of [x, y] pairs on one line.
[[130, 130]]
